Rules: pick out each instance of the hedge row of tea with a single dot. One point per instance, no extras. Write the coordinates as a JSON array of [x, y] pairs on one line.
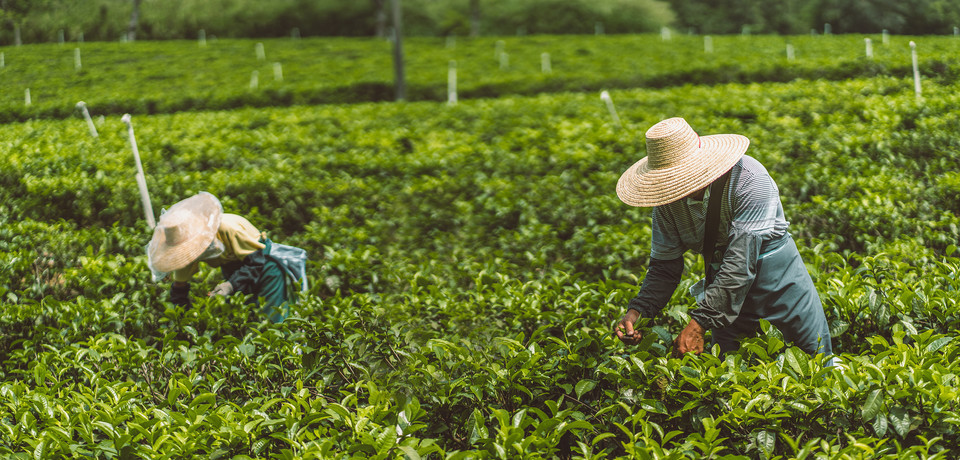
[[468, 265], [166, 77]]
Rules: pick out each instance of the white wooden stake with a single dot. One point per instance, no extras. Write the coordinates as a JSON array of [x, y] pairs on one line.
[[261, 55], [605, 96], [790, 55], [202, 38], [86, 116], [60, 37], [545, 63], [504, 60], [277, 71], [665, 34], [916, 68], [141, 178], [869, 45], [707, 44], [26, 98], [254, 79], [886, 37], [77, 65], [452, 83]]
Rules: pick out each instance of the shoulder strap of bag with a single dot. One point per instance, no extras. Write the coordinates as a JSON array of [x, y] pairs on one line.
[[712, 225]]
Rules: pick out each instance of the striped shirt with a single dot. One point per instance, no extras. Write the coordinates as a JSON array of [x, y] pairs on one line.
[[752, 205], [750, 216]]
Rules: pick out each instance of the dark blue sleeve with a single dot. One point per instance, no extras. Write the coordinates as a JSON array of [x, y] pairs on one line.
[[180, 294], [662, 279]]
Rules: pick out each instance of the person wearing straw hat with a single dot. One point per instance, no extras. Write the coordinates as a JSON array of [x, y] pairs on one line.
[[708, 196], [197, 230]]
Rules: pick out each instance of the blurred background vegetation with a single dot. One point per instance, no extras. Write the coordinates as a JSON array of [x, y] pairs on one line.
[[31, 21]]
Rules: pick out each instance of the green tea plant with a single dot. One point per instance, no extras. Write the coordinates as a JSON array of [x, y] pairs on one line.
[[467, 265]]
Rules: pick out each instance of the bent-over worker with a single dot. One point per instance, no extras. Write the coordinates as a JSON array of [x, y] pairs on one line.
[[754, 270], [197, 230]]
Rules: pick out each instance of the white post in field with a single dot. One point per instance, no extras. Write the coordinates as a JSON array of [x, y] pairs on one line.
[[916, 68], [605, 96], [545, 63], [707, 44], [202, 38], [60, 37], [790, 55], [86, 116], [141, 178], [956, 31], [254, 80], [504, 60], [886, 37], [77, 64], [665, 33], [261, 55], [80, 37], [869, 45], [26, 98], [827, 29], [277, 71], [452, 83]]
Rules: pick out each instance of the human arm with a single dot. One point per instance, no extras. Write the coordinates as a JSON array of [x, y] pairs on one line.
[[661, 280], [180, 293]]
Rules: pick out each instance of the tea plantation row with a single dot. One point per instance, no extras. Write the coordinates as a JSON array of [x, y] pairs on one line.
[[469, 263], [166, 77]]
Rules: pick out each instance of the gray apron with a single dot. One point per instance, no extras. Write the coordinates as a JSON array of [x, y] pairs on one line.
[[783, 294]]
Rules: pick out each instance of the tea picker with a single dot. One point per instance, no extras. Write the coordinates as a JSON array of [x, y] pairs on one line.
[[708, 196], [197, 230]]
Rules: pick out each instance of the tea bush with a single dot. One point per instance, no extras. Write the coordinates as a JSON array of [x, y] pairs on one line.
[[173, 76], [468, 263]]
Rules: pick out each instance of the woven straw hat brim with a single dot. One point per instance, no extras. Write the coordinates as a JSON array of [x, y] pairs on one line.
[[174, 257], [645, 187], [205, 213]]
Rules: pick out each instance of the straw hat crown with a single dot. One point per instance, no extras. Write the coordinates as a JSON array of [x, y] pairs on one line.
[[184, 232], [678, 163]]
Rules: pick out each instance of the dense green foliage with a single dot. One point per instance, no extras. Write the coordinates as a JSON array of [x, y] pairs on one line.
[[164, 77], [469, 262], [108, 20]]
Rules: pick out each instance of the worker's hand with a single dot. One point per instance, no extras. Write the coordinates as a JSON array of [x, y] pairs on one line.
[[625, 331], [224, 289], [690, 339]]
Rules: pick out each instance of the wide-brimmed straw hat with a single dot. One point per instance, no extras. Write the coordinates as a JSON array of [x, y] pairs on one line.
[[184, 232], [678, 163]]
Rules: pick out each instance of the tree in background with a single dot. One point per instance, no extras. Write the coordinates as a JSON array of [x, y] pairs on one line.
[[39, 20]]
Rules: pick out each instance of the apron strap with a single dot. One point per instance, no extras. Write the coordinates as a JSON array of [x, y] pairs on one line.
[[712, 225]]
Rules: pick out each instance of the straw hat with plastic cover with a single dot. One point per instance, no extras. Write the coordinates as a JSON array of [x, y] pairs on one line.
[[184, 233], [678, 163]]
